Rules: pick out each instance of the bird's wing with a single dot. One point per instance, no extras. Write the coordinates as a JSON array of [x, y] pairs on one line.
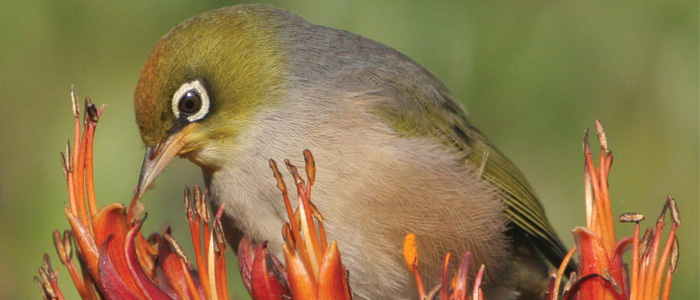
[[416, 110]]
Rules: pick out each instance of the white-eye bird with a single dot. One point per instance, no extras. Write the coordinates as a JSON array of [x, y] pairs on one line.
[[395, 151]]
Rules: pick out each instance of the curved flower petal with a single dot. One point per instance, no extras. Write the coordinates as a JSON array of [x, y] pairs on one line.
[[332, 283], [245, 262], [110, 220], [134, 266], [170, 270], [86, 243], [461, 289], [110, 231], [112, 284], [267, 281], [301, 283], [616, 267], [593, 260]]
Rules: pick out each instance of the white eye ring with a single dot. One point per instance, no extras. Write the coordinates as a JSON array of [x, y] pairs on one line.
[[195, 86]]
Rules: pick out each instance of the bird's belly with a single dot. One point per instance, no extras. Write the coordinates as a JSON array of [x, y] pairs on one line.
[[370, 206]]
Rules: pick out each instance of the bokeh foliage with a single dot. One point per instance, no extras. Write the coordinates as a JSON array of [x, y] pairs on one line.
[[533, 74]]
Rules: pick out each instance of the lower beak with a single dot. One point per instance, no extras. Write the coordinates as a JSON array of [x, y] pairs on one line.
[[158, 156]]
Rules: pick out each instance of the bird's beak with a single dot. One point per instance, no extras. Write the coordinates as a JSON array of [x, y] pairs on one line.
[[158, 156]]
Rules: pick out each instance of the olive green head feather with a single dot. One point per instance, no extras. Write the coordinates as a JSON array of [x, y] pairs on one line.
[[230, 54]]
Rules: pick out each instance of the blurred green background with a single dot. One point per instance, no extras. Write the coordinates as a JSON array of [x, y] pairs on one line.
[[533, 75]]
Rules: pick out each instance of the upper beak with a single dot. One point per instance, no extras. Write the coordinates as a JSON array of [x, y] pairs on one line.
[[158, 156]]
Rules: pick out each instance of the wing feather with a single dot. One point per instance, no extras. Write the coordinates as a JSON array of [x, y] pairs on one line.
[[416, 110]]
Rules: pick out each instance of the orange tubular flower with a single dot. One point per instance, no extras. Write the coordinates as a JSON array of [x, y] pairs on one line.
[[313, 266], [602, 273], [116, 261]]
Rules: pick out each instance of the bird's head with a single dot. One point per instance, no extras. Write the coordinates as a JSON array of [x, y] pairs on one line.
[[203, 83]]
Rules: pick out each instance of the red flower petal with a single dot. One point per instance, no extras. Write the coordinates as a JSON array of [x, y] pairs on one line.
[[112, 285], [616, 267], [267, 281], [110, 230], [593, 260], [110, 220], [170, 268], [461, 279], [134, 266], [245, 262]]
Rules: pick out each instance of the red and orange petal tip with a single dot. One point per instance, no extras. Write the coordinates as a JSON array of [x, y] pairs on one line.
[[266, 279]]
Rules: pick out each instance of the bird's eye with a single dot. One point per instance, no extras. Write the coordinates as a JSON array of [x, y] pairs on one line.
[[191, 101]]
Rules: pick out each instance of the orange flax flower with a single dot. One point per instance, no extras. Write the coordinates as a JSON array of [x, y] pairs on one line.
[[602, 272], [313, 266], [115, 260]]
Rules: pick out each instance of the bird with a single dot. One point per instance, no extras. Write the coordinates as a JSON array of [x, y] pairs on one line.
[[395, 150]]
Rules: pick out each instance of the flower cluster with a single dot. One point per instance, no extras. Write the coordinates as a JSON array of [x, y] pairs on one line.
[[313, 266], [116, 261], [602, 272]]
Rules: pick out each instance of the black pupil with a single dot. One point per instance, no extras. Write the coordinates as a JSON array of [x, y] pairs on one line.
[[190, 103]]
